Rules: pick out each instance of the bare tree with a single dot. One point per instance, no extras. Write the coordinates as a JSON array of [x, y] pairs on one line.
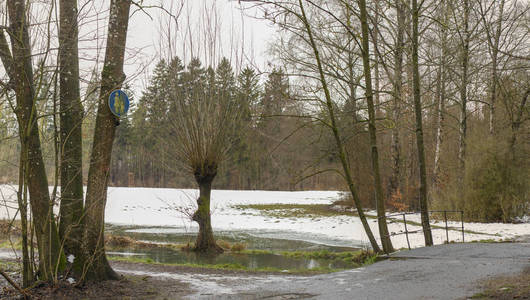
[[419, 127], [441, 89], [18, 65], [333, 126], [379, 198], [395, 148], [464, 35]]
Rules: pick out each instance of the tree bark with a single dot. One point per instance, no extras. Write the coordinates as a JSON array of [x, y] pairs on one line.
[[71, 209], [95, 265], [22, 197], [377, 76], [395, 148], [205, 242], [336, 135], [494, 57], [463, 91], [19, 68], [378, 188], [516, 123], [441, 95], [419, 127]]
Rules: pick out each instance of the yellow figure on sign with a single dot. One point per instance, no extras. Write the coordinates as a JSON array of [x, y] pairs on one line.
[[118, 104]]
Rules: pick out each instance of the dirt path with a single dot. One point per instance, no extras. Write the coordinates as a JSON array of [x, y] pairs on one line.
[[203, 282]]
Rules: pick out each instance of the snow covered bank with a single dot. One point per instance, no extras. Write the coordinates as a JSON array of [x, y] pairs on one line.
[[167, 207]]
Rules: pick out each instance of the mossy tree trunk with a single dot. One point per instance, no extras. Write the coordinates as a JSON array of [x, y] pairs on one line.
[[95, 266], [71, 114], [205, 242]]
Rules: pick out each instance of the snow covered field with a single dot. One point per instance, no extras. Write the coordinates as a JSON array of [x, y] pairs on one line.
[[148, 207]]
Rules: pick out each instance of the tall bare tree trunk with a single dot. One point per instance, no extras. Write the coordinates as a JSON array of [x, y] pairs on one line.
[[71, 209], [377, 76], [395, 148], [494, 64], [419, 127], [440, 96], [463, 90], [352, 80], [380, 202], [440, 106], [20, 70], [95, 265], [336, 135]]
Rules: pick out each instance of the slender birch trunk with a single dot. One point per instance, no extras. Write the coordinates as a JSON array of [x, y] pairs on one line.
[[441, 96], [395, 148], [463, 89]]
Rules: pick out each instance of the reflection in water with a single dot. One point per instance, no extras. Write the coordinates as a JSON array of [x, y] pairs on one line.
[[250, 261], [263, 240]]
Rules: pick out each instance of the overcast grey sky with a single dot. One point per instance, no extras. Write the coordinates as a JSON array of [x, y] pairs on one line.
[[208, 29], [238, 35]]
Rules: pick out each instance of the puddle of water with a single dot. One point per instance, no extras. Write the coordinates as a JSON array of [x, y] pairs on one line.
[[253, 240], [250, 261], [262, 240]]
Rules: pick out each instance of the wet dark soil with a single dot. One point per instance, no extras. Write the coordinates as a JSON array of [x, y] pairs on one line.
[[128, 287]]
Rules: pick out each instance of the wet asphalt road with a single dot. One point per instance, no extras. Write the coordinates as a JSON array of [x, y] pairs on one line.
[[439, 272]]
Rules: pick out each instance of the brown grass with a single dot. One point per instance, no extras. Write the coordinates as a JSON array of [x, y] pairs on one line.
[[506, 287]]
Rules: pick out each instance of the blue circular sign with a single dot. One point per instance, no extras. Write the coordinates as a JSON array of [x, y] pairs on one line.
[[118, 103]]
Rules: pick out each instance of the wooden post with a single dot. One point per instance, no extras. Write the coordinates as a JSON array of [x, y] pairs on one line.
[[462, 218], [446, 228], [406, 231]]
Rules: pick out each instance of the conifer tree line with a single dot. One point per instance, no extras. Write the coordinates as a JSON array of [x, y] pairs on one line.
[[263, 156]]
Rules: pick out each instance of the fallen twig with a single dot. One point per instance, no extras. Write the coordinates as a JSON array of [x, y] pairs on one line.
[[14, 284]]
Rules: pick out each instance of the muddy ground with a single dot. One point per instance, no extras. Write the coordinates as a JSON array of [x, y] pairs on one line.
[[128, 287], [145, 281]]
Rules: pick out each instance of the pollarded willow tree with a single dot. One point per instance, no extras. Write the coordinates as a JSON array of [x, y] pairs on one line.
[[202, 121]]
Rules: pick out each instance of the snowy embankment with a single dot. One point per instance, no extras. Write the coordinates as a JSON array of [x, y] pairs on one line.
[[167, 207]]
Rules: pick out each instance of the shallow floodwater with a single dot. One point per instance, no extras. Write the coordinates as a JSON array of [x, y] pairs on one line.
[[274, 240], [250, 261], [252, 240]]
